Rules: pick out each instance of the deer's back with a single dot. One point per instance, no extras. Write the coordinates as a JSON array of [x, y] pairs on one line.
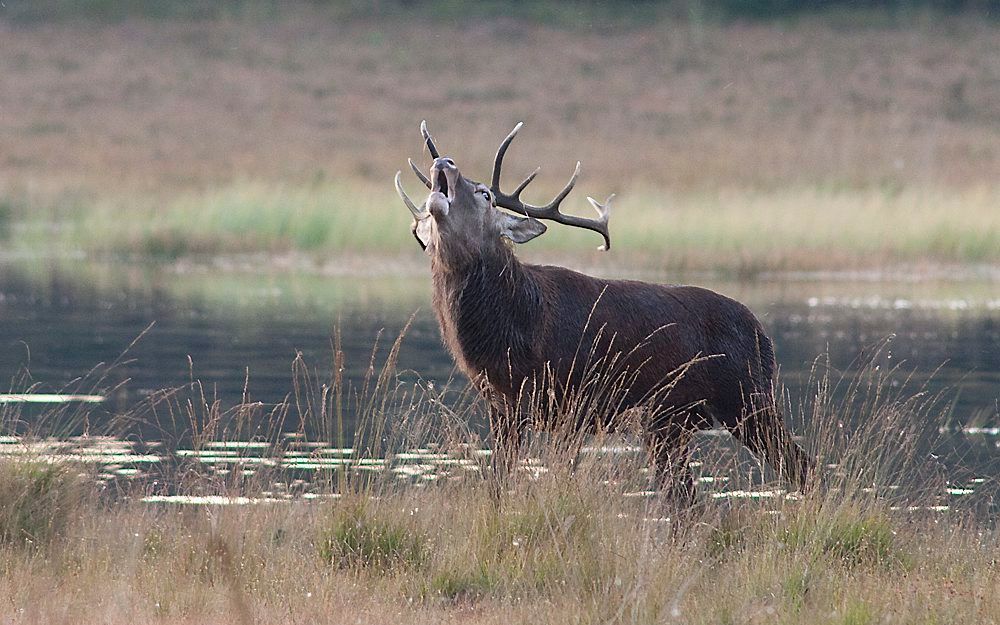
[[652, 333]]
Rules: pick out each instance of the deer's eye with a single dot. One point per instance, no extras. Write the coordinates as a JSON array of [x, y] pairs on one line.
[[486, 195]]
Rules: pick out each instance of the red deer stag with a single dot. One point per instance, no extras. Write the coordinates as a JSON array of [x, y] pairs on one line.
[[680, 355]]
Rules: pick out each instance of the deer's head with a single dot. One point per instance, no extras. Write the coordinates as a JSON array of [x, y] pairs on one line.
[[463, 214]]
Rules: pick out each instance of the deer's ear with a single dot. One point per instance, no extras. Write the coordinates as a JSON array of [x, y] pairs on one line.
[[519, 229], [421, 229]]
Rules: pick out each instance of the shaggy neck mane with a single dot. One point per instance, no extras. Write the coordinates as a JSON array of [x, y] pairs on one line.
[[488, 307]]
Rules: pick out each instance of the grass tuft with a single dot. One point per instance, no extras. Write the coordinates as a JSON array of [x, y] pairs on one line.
[[850, 535], [462, 585], [859, 612], [40, 500], [358, 536], [6, 217]]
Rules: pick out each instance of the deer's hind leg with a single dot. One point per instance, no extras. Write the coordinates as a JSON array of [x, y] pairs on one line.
[[757, 422], [763, 431]]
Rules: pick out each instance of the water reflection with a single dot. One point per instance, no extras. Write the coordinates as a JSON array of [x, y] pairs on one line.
[[48, 398], [306, 471]]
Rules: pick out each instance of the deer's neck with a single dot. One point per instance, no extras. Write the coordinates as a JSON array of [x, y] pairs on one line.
[[489, 309]]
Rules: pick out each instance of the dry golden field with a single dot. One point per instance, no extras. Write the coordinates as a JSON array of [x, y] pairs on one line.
[[171, 105]]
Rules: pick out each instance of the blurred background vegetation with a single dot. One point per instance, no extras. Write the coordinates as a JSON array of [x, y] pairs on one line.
[[738, 135]]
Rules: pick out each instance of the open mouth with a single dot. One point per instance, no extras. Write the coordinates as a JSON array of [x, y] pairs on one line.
[[441, 183]]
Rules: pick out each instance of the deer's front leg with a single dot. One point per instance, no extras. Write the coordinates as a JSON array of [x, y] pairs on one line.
[[506, 430]]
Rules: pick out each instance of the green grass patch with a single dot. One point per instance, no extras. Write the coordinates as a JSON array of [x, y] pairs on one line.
[[855, 537], [743, 232], [534, 543], [859, 612], [250, 218], [462, 585], [6, 217], [116, 11], [847, 535]]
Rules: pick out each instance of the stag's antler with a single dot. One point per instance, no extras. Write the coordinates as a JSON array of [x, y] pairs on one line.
[[430, 147], [427, 139], [551, 210], [420, 174], [419, 214]]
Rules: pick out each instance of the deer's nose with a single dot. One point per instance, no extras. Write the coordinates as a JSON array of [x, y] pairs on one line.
[[443, 163], [444, 173]]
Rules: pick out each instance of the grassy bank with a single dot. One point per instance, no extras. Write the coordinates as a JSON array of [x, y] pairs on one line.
[[832, 140], [740, 232], [559, 551]]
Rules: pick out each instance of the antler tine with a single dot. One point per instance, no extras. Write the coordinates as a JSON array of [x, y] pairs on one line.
[[524, 183], [428, 140], [498, 161], [420, 174], [550, 210], [603, 215], [553, 206], [418, 213]]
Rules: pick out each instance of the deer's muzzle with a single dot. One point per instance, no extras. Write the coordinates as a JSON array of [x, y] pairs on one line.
[[444, 178]]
